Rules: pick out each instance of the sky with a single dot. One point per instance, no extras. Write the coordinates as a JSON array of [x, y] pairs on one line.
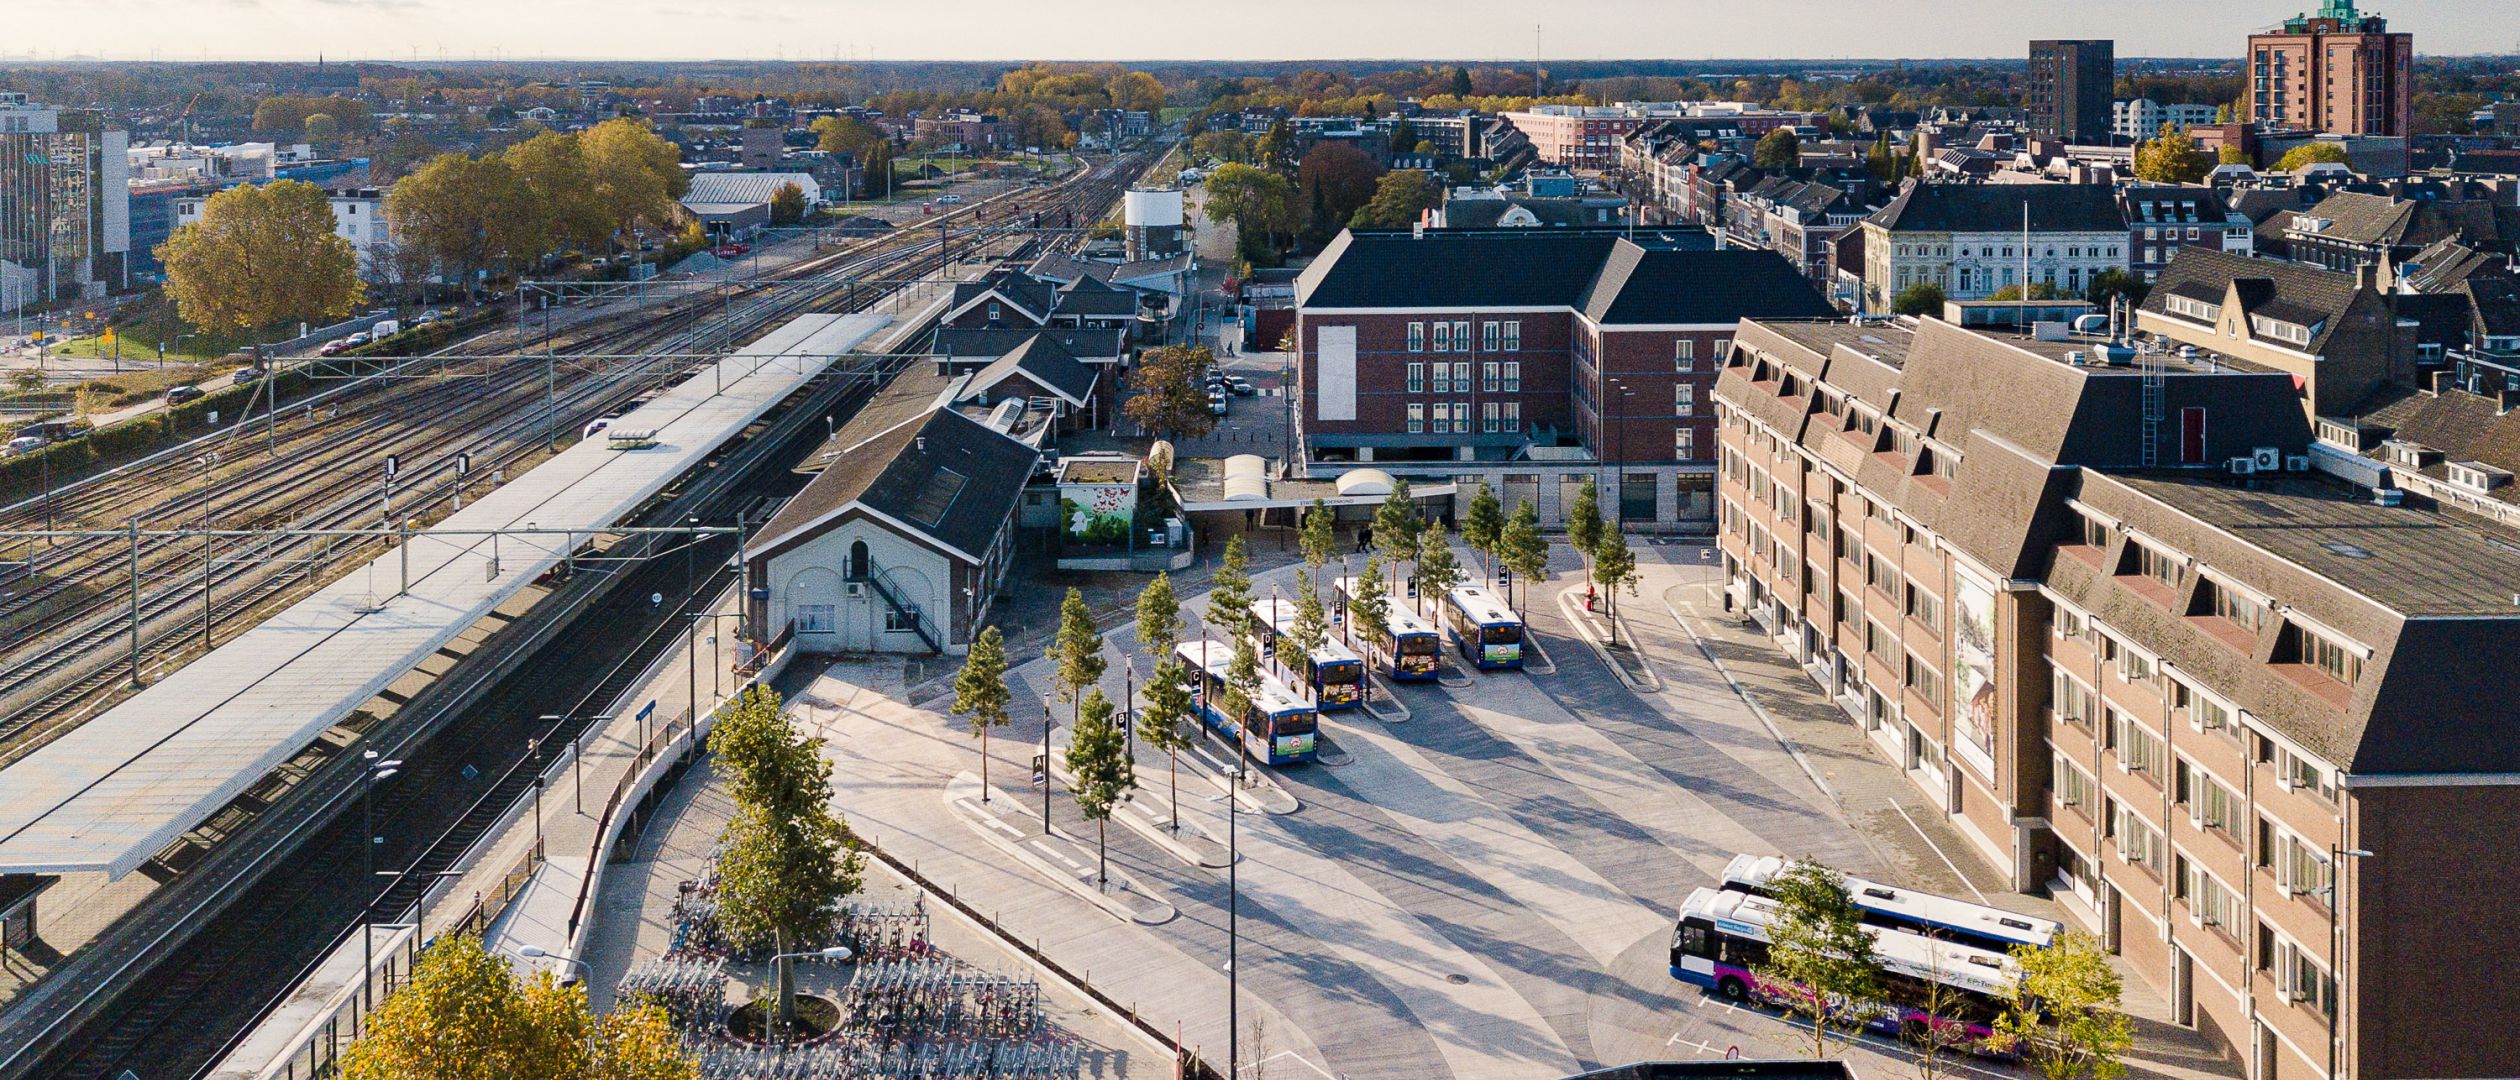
[[1493, 30]]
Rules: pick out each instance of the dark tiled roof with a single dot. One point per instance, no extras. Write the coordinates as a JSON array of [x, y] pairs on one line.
[[2303, 293], [2358, 218], [948, 477], [1046, 364], [989, 343], [2496, 299], [2445, 263], [1922, 207], [1607, 278], [1024, 290]]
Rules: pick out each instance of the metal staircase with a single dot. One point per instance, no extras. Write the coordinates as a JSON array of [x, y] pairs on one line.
[[876, 579]]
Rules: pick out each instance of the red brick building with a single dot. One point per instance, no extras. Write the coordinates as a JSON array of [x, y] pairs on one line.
[[1531, 361], [2338, 71]]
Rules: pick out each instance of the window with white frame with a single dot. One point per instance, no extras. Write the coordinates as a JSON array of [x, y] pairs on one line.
[[1513, 376], [1461, 335], [2138, 750], [1443, 378], [1513, 415], [1489, 375], [1443, 337], [2297, 973], [2209, 901], [1417, 418], [1684, 355], [1417, 377], [1684, 444], [1488, 417], [1491, 335], [2209, 804], [816, 619], [1461, 415], [897, 622], [1723, 348], [1417, 337], [1461, 376], [1683, 399], [1513, 336], [2138, 842], [2071, 785]]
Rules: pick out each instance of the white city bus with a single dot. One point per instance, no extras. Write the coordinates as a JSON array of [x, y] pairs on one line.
[[1907, 909]]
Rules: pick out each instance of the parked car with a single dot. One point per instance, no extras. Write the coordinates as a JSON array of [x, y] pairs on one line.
[[1240, 386], [733, 251], [1217, 402], [177, 395], [23, 444], [355, 340], [949, 199], [247, 375]]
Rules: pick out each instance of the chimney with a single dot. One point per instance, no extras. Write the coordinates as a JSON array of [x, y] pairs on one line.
[[2504, 399], [2440, 379], [2366, 277]]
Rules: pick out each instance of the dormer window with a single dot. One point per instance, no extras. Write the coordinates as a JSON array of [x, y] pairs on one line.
[[2477, 476], [2215, 598], [2144, 560], [2312, 649]]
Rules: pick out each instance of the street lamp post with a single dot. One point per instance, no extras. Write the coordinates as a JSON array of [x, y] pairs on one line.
[[1233, 926], [782, 983], [577, 755], [378, 770], [1128, 707], [1046, 724]]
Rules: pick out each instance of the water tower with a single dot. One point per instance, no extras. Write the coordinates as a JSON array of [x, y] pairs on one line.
[[1152, 217]]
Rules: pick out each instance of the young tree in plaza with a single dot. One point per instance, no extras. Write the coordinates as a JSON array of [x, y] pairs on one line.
[[1100, 773], [1437, 571], [1077, 651], [1522, 547], [1164, 719], [1613, 567], [1242, 688], [2064, 1014], [1820, 965], [1320, 535], [1583, 521], [1229, 592], [466, 1015], [1481, 526], [1311, 626], [788, 860], [1369, 606], [262, 255], [1396, 525], [980, 693], [1158, 617]]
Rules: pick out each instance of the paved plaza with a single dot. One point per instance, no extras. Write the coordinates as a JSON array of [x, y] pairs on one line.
[[1485, 889]]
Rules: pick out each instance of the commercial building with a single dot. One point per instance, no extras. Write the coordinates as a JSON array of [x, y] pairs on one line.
[[65, 204], [2338, 71], [1534, 360], [2071, 85], [2242, 719], [2143, 118], [1972, 240]]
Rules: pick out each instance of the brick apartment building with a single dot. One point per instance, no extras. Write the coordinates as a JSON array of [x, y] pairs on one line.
[[2162, 219], [1534, 361], [2071, 84], [2244, 727], [2337, 71]]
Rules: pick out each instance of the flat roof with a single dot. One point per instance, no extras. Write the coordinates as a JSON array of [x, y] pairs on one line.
[[1890, 341], [112, 793], [2414, 561]]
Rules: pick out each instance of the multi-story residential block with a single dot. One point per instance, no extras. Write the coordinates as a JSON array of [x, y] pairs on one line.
[[1798, 219], [1532, 360], [2161, 220], [2070, 86], [2354, 228], [1974, 239], [2238, 717], [65, 204], [2339, 71], [2143, 118]]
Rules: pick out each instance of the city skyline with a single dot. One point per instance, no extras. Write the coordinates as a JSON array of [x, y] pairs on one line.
[[998, 30]]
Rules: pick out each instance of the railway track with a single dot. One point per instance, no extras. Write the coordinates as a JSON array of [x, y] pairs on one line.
[[68, 651], [215, 978]]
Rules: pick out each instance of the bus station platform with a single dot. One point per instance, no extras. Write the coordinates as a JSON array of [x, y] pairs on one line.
[[110, 795]]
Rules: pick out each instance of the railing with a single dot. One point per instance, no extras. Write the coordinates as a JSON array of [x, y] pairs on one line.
[[919, 624]]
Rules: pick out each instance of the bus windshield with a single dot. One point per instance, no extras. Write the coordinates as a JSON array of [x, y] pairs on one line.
[[1500, 635], [1420, 645], [1297, 722]]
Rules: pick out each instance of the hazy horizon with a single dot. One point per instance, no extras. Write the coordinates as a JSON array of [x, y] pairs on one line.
[[1291, 31]]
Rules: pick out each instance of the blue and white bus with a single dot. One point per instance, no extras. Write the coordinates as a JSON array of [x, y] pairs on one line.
[[1483, 628], [1721, 942], [1410, 649], [1956, 921], [1280, 727], [1333, 672]]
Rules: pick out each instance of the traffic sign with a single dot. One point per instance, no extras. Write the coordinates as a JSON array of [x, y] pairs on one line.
[[1041, 770]]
